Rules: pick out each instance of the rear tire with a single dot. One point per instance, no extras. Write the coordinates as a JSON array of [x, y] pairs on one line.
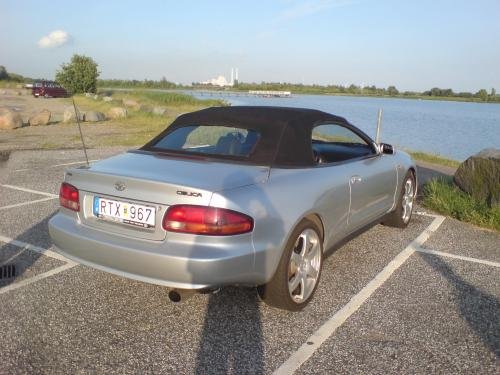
[[299, 270], [400, 217]]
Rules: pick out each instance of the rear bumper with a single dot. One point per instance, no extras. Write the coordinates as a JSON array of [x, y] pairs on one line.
[[181, 261]]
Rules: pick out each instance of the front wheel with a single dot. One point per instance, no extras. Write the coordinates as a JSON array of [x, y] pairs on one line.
[[297, 276], [401, 216]]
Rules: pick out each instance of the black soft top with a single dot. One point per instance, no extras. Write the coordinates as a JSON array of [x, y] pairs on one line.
[[285, 131]]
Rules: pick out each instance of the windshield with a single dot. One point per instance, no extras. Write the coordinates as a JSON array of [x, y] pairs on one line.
[[210, 139]]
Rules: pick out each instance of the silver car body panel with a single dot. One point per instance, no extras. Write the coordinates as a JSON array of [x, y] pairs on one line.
[[344, 196]]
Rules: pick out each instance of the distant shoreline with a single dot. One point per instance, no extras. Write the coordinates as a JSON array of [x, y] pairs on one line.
[[218, 91]]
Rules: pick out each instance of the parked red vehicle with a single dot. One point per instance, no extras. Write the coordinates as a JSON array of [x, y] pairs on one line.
[[48, 89]]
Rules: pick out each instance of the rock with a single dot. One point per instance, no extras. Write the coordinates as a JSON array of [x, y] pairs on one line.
[[160, 111], [130, 103], [117, 112], [96, 97], [94, 116], [41, 118], [69, 115], [107, 99], [9, 119], [88, 94], [4, 155], [145, 108], [479, 176]]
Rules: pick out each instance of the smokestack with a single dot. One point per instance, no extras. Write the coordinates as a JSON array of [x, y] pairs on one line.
[[236, 75], [232, 76]]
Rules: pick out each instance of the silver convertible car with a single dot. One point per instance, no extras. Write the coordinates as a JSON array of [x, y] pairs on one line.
[[248, 196]]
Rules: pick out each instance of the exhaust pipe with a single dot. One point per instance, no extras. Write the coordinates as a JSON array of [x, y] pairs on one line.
[[179, 295]]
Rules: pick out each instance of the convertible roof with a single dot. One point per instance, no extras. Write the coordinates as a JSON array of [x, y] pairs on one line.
[[285, 131]]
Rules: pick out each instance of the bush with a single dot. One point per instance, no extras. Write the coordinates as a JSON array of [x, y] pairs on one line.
[[444, 197]]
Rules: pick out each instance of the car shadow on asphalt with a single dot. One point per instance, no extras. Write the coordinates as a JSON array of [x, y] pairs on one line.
[[232, 340], [24, 259], [480, 310]]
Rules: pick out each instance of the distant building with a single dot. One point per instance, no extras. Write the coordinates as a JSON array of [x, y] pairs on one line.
[[219, 81]]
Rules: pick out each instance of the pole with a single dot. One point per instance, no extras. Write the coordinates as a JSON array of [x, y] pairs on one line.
[[80, 129], [379, 122]]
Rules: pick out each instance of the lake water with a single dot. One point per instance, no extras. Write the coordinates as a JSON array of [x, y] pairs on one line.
[[452, 129]]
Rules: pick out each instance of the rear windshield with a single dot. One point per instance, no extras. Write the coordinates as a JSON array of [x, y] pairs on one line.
[[210, 139]]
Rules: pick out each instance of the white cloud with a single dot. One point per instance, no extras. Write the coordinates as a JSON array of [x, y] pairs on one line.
[[307, 8], [55, 39]]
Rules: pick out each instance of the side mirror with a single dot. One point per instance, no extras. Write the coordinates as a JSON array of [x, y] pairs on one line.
[[386, 149]]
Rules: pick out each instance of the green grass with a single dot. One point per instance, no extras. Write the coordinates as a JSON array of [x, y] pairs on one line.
[[443, 196], [434, 159], [140, 126]]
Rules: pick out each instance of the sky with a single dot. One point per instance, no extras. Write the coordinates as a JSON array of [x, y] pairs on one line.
[[414, 45]]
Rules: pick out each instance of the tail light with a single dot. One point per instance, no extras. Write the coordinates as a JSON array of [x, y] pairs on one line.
[[69, 197], [206, 220]]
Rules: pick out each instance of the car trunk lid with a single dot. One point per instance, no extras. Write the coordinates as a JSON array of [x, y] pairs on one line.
[[155, 181]]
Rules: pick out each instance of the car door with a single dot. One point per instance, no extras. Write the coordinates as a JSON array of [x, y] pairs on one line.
[[373, 184], [371, 176]]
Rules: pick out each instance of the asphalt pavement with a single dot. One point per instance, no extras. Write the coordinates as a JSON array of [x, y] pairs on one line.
[[420, 300]]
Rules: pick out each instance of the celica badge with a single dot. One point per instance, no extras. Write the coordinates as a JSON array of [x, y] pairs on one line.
[[120, 186]]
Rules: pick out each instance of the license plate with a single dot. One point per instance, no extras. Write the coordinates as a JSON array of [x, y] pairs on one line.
[[124, 212]]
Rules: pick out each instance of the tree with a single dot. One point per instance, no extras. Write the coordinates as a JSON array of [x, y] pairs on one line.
[[80, 75], [392, 91], [482, 94], [3, 73]]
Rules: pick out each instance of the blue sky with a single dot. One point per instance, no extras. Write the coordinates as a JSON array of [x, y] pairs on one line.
[[414, 45]]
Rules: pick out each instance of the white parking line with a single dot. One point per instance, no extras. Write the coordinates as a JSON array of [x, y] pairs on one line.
[[26, 203], [307, 349], [73, 163], [20, 188], [41, 250], [461, 257], [39, 277]]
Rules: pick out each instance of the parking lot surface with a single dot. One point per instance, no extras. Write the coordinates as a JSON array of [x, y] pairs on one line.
[[420, 300]]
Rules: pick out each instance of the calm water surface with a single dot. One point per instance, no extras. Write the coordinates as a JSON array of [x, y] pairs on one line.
[[451, 129]]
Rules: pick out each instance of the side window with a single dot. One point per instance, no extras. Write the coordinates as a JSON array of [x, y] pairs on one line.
[[333, 143]]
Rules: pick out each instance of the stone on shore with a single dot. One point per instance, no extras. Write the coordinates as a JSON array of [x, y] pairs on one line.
[[10, 119], [41, 118], [69, 115], [130, 103], [107, 99], [117, 112], [160, 111], [479, 176], [94, 116]]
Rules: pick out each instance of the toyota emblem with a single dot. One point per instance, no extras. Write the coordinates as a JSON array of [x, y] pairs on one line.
[[120, 186]]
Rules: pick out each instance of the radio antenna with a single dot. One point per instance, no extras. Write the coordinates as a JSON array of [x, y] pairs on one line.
[[80, 129]]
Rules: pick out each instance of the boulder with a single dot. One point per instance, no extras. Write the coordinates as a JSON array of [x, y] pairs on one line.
[[94, 116], [10, 119], [479, 176], [107, 98], [145, 108], [160, 111], [130, 103], [117, 112], [41, 118], [69, 115]]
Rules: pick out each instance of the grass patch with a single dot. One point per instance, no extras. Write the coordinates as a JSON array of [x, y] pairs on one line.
[[434, 159], [140, 125], [443, 196]]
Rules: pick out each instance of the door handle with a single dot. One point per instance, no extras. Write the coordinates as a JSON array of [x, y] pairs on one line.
[[355, 179]]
